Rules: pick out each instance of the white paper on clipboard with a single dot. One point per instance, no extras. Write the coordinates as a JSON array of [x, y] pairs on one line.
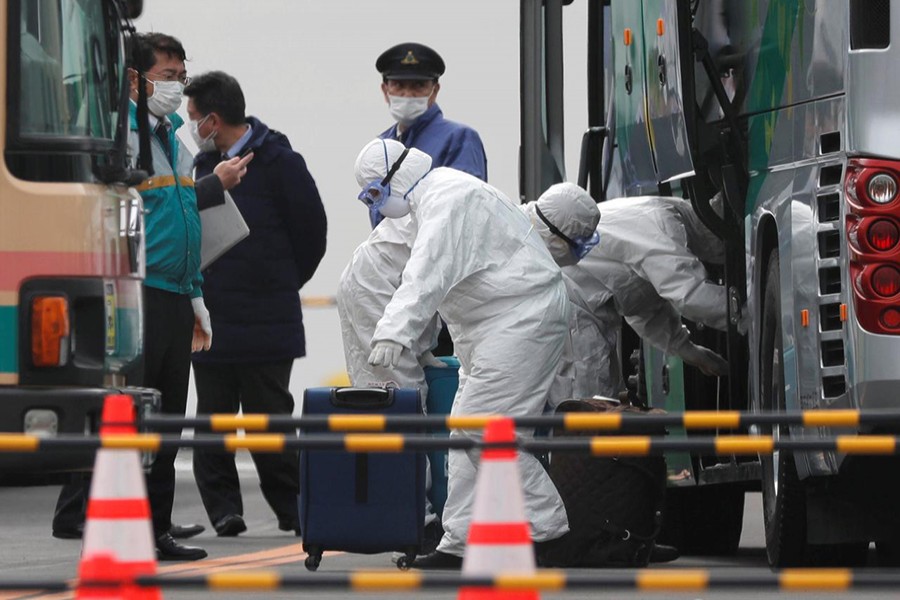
[[222, 227]]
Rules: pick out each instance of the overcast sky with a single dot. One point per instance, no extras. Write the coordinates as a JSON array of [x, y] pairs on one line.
[[307, 68]]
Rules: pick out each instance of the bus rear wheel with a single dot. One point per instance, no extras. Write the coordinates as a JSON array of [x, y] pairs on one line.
[[784, 498]]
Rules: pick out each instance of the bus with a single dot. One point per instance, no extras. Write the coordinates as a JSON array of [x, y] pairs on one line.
[[785, 108], [71, 227]]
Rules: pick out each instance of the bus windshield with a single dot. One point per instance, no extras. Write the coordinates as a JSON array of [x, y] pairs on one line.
[[68, 71]]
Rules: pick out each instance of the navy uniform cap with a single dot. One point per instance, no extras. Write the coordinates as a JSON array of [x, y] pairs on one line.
[[410, 61]]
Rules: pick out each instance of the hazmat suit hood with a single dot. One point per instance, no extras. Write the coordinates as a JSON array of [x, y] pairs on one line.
[[377, 157], [571, 210]]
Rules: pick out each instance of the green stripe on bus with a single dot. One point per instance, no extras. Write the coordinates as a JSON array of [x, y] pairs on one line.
[[773, 68], [9, 331]]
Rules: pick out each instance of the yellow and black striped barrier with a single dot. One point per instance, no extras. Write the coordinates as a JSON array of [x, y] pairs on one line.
[[386, 442], [691, 420], [692, 580]]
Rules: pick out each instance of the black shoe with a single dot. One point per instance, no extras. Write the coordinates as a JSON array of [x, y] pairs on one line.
[[546, 553], [289, 525], [433, 534], [438, 560], [168, 549], [662, 553], [183, 532], [230, 526], [69, 533]]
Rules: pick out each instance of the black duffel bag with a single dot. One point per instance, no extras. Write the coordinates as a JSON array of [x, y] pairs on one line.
[[614, 504]]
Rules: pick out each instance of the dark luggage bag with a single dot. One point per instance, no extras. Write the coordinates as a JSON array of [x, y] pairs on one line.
[[614, 504], [442, 385], [361, 502]]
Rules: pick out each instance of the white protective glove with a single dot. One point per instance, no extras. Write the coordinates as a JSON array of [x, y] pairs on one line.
[[706, 360], [202, 339], [385, 353], [428, 360]]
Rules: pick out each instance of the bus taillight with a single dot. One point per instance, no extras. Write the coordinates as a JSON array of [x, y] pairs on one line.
[[881, 188], [883, 235], [872, 224], [49, 331], [886, 281]]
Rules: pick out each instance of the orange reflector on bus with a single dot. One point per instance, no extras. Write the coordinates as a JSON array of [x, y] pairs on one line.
[[660, 27], [627, 36], [804, 318], [49, 331]]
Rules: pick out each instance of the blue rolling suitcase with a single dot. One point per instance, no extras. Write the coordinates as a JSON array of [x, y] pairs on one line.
[[442, 384], [361, 502]]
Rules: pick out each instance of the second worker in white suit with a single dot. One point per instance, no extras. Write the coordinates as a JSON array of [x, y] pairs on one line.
[[648, 268], [478, 261]]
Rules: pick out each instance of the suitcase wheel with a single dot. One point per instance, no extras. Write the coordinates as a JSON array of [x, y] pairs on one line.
[[312, 561], [405, 562]]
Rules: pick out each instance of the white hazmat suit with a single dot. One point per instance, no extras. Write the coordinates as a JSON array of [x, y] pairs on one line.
[[477, 259], [366, 287], [648, 267]]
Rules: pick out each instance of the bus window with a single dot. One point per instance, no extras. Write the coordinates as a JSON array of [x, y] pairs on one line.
[[65, 86]]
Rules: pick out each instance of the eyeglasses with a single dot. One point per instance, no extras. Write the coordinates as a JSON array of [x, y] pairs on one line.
[[183, 79]]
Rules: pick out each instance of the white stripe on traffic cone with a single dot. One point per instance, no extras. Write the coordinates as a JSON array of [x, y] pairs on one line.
[[499, 536], [118, 536]]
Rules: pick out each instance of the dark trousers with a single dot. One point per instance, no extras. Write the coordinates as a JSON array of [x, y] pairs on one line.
[[168, 328], [253, 388]]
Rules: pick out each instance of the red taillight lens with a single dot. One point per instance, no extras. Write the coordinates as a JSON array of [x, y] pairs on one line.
[[886, 281], [890, 318], [883, 235]]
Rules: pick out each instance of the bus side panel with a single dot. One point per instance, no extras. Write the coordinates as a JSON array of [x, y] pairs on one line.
[[782, 52], [873, 88], [632, 133], [668, 131]]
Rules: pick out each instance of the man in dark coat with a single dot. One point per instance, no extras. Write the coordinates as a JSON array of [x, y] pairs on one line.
[[252, 292]]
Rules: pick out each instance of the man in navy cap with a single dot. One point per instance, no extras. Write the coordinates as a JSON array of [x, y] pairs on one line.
[[410, 85]]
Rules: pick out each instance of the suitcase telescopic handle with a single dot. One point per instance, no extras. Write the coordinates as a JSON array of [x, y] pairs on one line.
[[362, 398]]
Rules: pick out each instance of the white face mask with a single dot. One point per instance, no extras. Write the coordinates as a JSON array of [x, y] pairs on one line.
[[395, 207], [405, 110], [205, 144], [166, 97]]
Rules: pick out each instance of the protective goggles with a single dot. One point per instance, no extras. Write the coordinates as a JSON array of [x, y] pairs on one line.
[[376, 193], [579, 245]]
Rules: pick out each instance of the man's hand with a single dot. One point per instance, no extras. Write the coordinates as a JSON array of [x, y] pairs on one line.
[[706, 360], [385, 354], [202, 339], [231, 171]]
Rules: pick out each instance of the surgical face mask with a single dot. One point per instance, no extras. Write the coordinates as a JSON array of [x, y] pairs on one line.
[[579, 246], [405, 109], [205, 144], [377, 195], [166, 97]]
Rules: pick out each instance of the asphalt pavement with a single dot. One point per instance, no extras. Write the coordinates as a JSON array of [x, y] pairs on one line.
[[28, 552]]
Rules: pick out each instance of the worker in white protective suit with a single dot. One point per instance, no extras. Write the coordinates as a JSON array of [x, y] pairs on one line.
[[366, 287], [477, 260], [648, 268], [369, 281]]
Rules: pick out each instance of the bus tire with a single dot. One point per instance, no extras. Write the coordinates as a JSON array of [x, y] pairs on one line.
[[784, 497]]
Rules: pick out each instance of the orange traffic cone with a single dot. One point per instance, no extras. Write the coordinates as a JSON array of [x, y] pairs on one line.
[[118, 537], [499, 536]]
